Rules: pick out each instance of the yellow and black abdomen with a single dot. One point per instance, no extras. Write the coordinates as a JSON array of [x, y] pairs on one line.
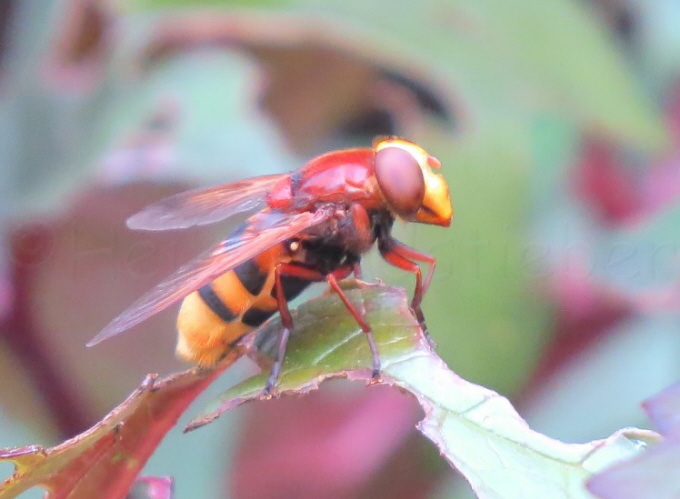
[[212, 319]]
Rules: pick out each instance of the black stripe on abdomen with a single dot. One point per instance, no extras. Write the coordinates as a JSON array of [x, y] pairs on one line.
[[210, 298], [255, 317], [251, 276], [292, 286]]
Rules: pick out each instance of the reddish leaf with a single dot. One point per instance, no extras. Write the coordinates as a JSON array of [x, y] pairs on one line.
[[104, 461], [604, 183], [587, 310], [6, 295], [663, 185], [30, 246], [616, 193], [63, 278]]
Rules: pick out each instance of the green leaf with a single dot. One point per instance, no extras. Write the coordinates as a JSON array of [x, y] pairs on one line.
[[476, 430], [340, 349]]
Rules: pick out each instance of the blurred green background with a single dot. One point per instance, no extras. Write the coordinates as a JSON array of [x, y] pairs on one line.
[[558, 127]]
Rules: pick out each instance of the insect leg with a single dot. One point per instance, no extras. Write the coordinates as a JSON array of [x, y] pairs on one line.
[[361, 228], [418, 256], [358, 316], [402, 256], [287, 269], [356, 270], [287, 320]]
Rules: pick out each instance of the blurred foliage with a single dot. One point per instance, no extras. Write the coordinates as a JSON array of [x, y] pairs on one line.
[[640, 475], [557, 254], [105, 460]]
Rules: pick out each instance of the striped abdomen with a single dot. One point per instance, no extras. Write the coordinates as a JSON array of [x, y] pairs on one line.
[[216, 316]]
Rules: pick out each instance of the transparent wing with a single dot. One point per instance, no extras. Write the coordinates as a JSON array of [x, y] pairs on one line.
[[204, 206], [264, 231]]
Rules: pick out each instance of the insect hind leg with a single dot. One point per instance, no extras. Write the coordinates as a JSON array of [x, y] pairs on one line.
[[287, 321], [287, 269], [303, 273], [358, 316]]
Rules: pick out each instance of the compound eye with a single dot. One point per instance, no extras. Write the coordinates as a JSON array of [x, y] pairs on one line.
[[400, 179]]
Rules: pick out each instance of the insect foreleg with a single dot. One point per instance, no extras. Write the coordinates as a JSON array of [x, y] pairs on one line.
[[401, 256]]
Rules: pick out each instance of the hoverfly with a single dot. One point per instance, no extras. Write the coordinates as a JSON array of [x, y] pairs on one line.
[[314, 224]]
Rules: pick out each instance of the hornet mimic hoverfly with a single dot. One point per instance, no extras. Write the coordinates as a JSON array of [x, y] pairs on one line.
[[314, 224]]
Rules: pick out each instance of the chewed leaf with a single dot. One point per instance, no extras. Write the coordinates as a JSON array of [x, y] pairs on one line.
[[482, 435], [105, 460], [476, 430]]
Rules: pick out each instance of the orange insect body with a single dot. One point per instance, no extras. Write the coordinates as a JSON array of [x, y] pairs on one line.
[[203, 335], [314, 225]]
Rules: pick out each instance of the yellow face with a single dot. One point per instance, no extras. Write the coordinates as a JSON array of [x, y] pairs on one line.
[[409, 185]]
